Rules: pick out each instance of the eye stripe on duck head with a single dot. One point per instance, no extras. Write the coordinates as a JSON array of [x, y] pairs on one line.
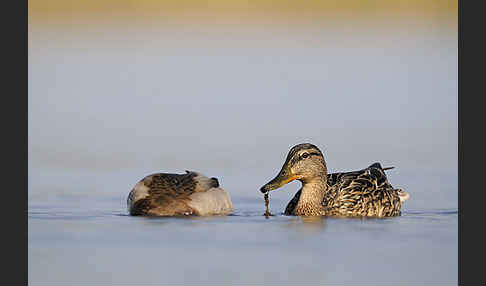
[[297, 152]]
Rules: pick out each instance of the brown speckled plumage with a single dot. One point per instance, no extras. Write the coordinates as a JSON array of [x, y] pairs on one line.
[[360, 193], [167, 194], [363, 193]]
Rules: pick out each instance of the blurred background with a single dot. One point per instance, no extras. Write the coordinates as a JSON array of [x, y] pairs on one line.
[[119, 89], [172, 85], [227, 87]]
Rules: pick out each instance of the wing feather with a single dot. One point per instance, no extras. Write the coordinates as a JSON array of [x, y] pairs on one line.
[[362, 193], [167, 194]]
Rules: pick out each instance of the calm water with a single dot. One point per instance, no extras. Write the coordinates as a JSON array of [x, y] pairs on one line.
[[80, 234], [230, 101]]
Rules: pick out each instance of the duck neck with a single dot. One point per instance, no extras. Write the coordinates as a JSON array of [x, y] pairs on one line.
[[313, 192]]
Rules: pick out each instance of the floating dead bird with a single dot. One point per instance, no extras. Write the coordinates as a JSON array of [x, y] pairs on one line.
[[363, 193]]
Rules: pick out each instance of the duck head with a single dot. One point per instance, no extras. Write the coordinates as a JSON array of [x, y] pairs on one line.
[[304, 162]]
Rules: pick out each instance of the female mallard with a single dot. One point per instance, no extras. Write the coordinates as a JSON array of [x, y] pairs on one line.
[[178, 194], [363, 193]]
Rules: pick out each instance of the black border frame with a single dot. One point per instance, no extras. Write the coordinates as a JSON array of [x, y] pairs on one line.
[[15, 135], [15, 122]]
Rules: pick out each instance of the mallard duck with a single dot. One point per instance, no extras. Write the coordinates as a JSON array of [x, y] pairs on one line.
[[363, 193], [191, 193]]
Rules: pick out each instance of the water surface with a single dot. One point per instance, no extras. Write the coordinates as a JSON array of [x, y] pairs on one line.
[[80, 234], [115, 95]]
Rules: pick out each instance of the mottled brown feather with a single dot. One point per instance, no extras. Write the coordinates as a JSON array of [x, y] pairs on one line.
[[366, 192], [168, 195]]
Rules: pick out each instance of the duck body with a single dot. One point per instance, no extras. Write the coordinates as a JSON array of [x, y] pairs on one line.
[[362, 193], [164, 194]]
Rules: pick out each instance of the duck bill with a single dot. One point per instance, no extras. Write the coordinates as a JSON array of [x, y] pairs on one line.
[[281, 179]]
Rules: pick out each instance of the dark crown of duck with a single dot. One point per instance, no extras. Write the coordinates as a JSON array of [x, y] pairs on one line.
[[304, 162]]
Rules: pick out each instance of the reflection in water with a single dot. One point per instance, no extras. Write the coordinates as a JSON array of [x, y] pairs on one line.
[[78, 242], [308, 223], [190, 221]]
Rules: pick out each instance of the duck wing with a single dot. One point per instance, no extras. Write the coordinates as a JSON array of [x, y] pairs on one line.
[[366, 192], [335, 177], [289, 210], [167, 194], [367, 181], [332, 179]]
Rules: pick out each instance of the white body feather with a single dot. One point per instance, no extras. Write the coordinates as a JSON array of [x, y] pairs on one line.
[[214, 201]]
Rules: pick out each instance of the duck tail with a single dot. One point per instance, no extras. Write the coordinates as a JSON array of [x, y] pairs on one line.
[[403, 195], [378, 165], [375, 165]]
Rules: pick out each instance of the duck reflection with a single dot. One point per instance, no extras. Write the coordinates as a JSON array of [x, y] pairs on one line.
[[308, 223]]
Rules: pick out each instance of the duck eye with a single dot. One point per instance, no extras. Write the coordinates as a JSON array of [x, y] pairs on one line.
[[305, 155]]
